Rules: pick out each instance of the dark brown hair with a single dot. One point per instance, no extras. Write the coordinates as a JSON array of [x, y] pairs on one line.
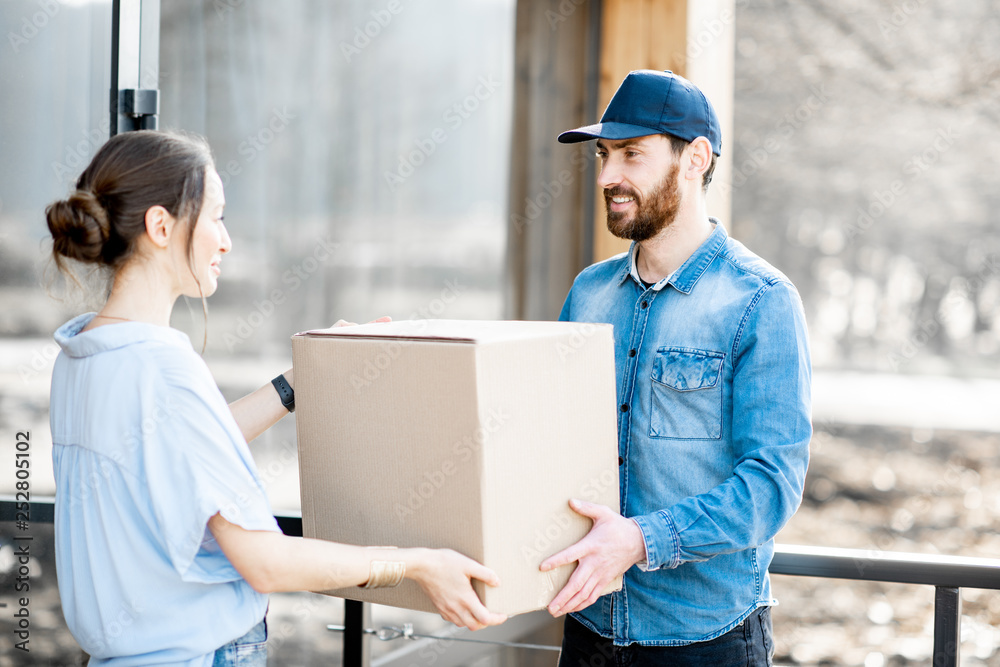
[[99, 223], [677, 145]]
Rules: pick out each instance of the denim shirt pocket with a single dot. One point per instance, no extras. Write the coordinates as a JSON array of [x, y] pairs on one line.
[[686, 394]]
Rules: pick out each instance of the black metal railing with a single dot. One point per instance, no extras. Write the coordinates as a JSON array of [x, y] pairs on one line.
[[948, 575]]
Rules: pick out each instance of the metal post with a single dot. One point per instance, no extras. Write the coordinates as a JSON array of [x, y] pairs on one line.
[[947, 625], [135, 65], [357, 648]]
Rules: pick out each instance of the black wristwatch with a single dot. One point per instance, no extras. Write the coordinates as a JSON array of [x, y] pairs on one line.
[[285, 392]]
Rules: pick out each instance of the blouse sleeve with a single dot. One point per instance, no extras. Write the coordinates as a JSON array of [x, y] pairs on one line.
[[197, 464]]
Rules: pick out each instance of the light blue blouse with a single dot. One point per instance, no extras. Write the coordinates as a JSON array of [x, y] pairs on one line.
[[145, 451]]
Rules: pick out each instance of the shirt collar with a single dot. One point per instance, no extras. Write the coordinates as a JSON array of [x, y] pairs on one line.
[[112, 336], [685, 277]]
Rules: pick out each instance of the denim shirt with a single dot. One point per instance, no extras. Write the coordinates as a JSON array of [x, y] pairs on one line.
[[713, 381]]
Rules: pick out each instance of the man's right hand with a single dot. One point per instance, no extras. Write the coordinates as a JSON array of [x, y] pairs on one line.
[[613, 545]]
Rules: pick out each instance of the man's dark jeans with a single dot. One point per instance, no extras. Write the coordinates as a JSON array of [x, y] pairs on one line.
[[749, 644]]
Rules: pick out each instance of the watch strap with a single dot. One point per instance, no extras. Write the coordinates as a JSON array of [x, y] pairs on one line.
[[285, 392]]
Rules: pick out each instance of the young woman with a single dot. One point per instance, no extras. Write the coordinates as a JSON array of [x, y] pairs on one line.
[[166, 547]]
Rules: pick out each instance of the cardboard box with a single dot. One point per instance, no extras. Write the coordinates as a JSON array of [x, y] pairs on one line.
[[461, 434]]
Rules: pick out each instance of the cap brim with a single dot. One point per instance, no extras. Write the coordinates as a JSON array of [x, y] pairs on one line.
[[613, 131]]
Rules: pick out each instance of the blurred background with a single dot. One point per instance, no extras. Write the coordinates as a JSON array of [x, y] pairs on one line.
[[370, 173]]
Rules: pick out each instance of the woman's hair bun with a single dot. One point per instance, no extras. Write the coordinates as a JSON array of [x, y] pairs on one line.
[[79, 227]]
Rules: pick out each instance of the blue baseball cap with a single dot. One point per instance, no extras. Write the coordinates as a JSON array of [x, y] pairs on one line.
[[652, 102]]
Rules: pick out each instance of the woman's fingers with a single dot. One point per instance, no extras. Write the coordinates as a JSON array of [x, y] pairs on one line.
[[450, 589], [486, 617], [483, 573], [474, 615]]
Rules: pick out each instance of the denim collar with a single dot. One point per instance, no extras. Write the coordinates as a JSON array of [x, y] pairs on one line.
[[685, 277]]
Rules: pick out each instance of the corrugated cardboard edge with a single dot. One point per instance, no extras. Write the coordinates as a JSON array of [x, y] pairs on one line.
[[598, 335]]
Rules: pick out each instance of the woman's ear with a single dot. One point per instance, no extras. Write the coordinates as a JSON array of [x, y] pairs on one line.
[[700, 158], [159, 226]]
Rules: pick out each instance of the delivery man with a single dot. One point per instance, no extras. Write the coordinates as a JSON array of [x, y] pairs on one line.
[[713, 382]]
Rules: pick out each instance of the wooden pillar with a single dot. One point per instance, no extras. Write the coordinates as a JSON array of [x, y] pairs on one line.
[[550, 207], [693, 38]]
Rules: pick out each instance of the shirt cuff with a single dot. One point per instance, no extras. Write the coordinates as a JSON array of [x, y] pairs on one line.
[[644, 563], [660, 538]]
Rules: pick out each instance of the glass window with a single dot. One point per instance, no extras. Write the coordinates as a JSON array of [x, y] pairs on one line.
[[364, 147], [55, 73]]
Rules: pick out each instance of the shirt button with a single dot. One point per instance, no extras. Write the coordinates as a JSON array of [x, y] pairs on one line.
[[632, 353], [644, 305], [624, 407], [621, 461]]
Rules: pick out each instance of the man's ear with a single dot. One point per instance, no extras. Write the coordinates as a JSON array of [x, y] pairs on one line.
[[159, 225], [699, 159]]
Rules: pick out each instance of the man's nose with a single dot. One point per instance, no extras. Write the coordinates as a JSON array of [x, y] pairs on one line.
[[611, 174]]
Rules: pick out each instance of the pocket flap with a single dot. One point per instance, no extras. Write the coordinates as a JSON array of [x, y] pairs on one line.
[[685, 369]]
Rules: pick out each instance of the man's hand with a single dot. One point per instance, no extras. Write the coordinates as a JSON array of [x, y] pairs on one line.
[[613, 545]]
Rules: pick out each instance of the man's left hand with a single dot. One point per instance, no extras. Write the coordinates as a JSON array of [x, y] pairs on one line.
[[613, 545]]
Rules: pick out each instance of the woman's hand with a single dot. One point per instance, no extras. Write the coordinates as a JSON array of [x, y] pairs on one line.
[[446, 577], [271, 562]]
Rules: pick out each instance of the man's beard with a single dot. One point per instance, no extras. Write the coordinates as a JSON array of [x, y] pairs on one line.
[[652, 213]]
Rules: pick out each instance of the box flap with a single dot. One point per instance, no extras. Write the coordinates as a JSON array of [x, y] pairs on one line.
[[458, 331]]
